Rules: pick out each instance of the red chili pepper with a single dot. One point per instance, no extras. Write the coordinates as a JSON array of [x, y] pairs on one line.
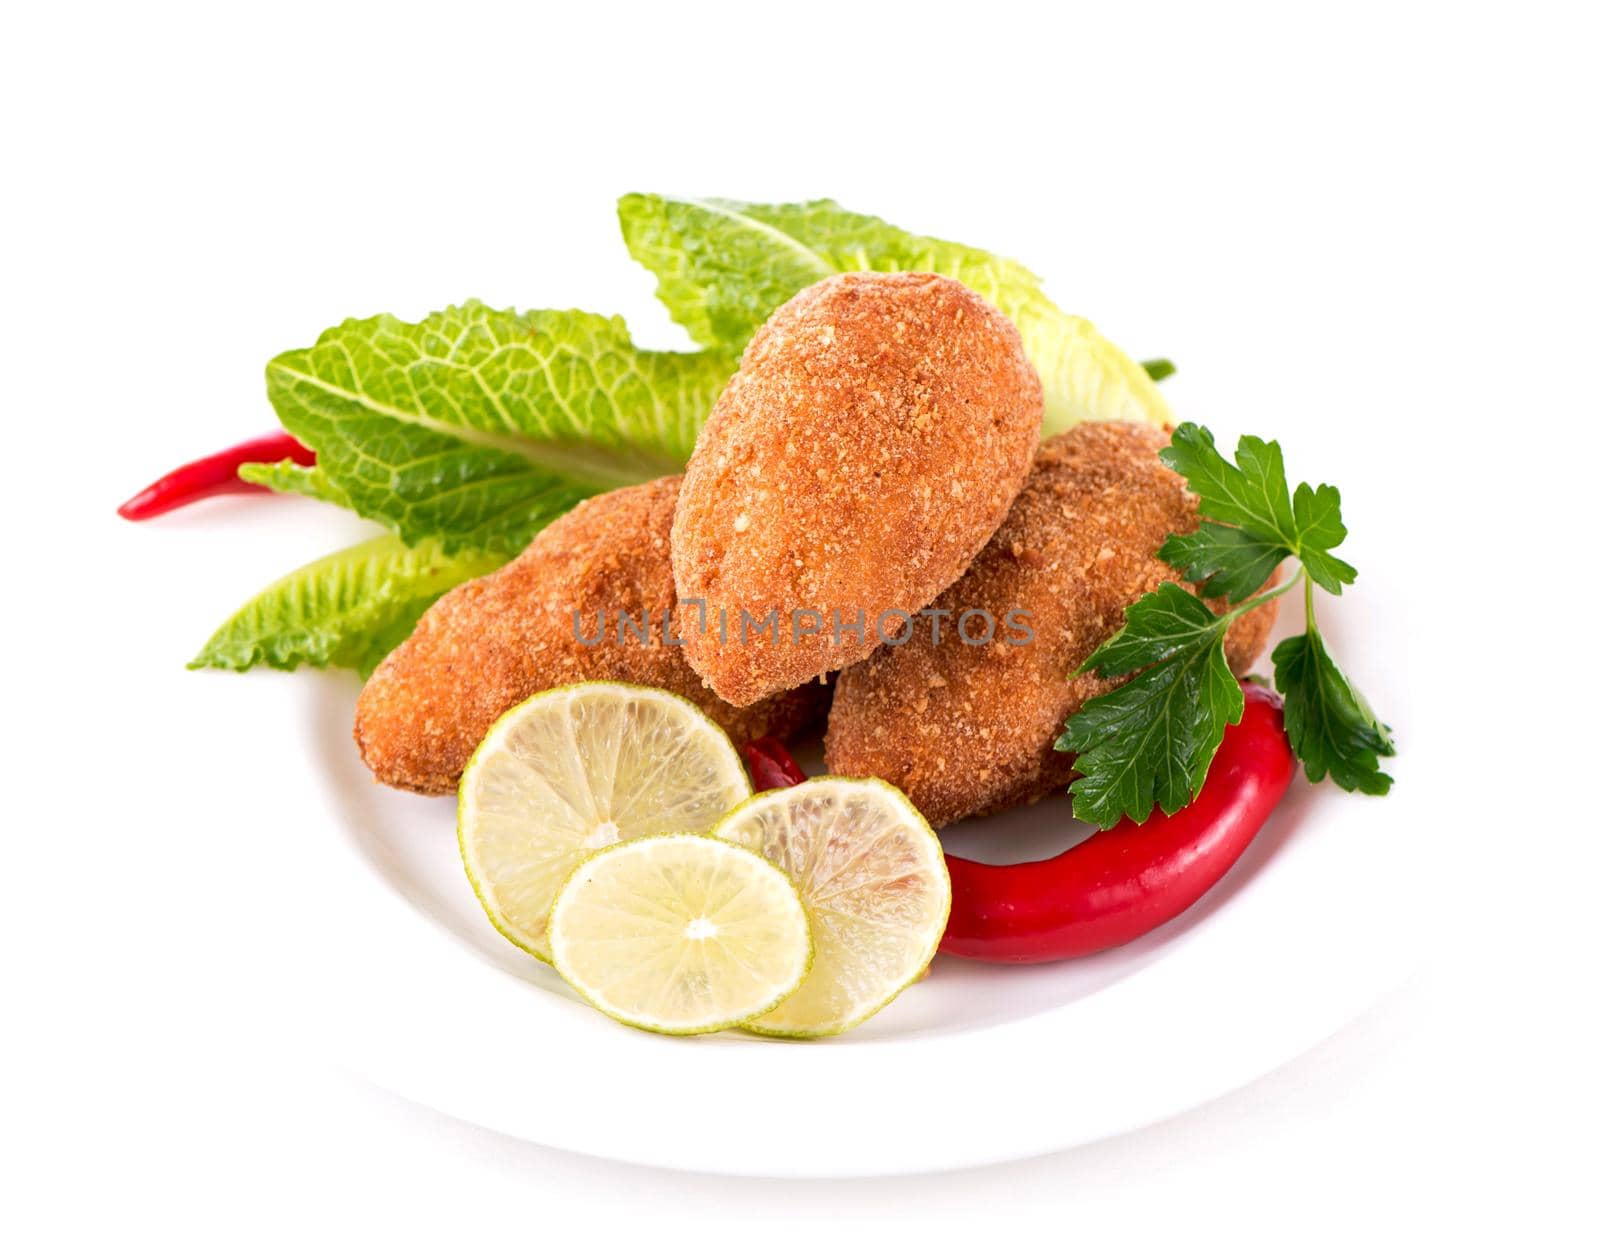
[[1124, 882], [771, 765], [214, 475]]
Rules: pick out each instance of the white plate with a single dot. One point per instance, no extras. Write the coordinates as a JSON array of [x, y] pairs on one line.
[[978, 1064]]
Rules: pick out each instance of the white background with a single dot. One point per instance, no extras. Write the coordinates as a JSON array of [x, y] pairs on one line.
[[1381, 220]]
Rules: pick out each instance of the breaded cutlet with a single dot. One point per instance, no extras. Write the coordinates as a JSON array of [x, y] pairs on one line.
[[970, 729], [489, 644], [876, 433]]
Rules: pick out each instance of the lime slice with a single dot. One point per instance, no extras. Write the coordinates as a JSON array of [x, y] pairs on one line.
[[575, 769], [680, 934], [873, 879]]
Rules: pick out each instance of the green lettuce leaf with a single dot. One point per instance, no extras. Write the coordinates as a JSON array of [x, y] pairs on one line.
[[289, 476], [468, 432], [477, 427], [348, 609], [722, 267]]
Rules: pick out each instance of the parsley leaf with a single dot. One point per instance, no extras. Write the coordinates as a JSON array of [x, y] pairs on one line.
[[1331, 727], [1316, 514], [1151, 741], [1254, 521], [1225, 561]]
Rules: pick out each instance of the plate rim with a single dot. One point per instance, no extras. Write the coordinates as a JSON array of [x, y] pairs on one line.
[[411, 997]]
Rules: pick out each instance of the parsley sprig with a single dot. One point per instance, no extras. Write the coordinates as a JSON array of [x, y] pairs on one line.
[[1151, 741]]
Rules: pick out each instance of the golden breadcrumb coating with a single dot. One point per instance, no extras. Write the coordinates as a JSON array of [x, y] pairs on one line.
[[965, 730], [493, 642], [877, 431]]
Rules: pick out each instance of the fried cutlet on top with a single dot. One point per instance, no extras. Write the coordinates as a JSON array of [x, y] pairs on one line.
[[876, 433]]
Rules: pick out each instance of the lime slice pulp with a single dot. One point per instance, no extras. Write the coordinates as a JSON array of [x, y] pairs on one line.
[[680, 934]]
